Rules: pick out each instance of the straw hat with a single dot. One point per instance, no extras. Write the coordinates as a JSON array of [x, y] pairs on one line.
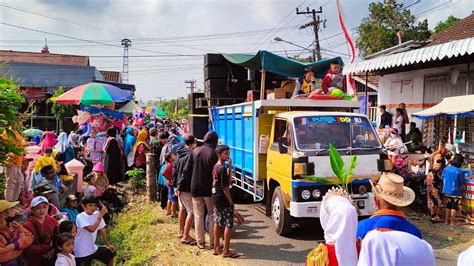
[[5, 205], [391, 189]]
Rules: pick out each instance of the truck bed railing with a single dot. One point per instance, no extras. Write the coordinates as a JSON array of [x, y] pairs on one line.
[[249, 185], [210, 102]]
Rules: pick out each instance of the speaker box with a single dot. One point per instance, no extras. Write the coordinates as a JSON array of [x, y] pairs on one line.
[[192, 103], [214, 60], [224, 72], [223, 88], [198, 126]]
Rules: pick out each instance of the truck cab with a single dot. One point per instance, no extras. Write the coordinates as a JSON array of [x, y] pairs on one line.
[[299, 146]]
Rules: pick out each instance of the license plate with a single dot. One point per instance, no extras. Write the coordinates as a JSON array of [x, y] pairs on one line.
[[361, 204], [312, 210]]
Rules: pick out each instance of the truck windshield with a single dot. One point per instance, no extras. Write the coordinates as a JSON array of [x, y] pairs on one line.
[[317, 132]]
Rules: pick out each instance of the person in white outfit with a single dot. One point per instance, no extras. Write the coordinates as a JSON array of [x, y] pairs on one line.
[[466, 258], [393, 248]]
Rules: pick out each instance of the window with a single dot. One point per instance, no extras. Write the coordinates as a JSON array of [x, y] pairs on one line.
[[280, 129]]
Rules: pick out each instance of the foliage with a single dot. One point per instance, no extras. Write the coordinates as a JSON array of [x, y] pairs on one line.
[[10, 102], [442, 25], [169, 107], [137, 178], [302, 59], [144, 235], [339, 169], [59, 111], [379, 30]]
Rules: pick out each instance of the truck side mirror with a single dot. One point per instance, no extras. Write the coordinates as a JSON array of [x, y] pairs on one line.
[[283, 145]]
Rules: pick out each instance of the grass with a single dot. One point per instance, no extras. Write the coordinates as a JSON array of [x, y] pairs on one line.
[[144, 235]]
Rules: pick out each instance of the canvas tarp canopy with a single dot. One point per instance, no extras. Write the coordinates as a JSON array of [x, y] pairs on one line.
[[457, 105], [280, 65], [130, 107]]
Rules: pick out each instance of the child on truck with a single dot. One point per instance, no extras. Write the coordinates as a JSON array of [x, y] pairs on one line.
[[223, 204]]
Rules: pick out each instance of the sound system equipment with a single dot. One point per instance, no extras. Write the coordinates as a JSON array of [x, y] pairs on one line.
[[198, 126], [192, 103]]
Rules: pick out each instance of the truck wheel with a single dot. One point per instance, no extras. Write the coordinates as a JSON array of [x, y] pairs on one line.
[[280, 215]]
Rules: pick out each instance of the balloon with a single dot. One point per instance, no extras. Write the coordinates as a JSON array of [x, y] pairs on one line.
[[337, 92], [81, 117]]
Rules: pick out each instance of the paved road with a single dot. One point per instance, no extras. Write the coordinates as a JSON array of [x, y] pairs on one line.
[[260, 245]]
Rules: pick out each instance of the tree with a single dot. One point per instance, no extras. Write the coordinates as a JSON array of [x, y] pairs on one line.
[[169, 107], [442, 25], [10, 102], [57, 110], [379, 30]]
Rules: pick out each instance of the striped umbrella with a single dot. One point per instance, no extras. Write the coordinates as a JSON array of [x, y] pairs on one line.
[[94, 93]]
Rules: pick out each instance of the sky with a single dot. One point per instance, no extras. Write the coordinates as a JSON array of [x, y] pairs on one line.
[[170, 37]]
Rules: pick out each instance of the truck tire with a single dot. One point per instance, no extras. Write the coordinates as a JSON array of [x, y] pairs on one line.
[[280, 215]]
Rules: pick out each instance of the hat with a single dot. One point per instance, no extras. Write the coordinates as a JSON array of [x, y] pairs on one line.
[[38, 200], [98, 168], [43, 189], [391, 189], [5, 205]]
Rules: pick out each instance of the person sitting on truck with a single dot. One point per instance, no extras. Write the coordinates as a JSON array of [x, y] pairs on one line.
[[390, 195], [338, 219], [306, 84], [333, 79]]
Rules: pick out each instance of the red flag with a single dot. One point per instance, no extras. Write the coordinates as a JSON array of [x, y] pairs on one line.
[[350, 82]]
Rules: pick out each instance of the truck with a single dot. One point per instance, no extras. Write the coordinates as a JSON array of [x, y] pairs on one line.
[[274, 144], [277, 145]]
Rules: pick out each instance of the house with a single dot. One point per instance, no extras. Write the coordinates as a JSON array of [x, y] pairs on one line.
[[421, 75], [39, 74]]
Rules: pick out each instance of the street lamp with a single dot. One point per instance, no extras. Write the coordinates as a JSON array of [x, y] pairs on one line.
[[278, 39]]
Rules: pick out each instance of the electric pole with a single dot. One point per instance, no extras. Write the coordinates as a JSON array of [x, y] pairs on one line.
[[315, 23], [125, 43], [192, 85]]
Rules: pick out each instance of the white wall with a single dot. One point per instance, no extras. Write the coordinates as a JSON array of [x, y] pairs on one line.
[[408, 87]]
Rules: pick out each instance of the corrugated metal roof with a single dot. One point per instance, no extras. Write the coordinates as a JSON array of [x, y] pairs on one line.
[[47, 75], [422, 55]]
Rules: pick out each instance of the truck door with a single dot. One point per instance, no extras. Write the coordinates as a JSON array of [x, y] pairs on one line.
[[279, 165]]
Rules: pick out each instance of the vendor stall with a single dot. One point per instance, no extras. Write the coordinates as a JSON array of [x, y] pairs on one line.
[[452, 120]]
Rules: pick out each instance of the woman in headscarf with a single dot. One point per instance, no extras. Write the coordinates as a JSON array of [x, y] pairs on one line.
[[435, 186], [49, 141], [141, 148], [130, 141], [113, 158], [392, 248], [64, 149], [338, 219]]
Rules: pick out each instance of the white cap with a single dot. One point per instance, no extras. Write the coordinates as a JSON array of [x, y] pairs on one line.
[[38, 200]]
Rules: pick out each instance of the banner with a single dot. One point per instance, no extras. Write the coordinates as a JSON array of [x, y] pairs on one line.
[[351, 88]]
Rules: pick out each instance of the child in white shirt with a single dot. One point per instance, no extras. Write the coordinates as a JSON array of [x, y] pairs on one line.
[[64, 245]]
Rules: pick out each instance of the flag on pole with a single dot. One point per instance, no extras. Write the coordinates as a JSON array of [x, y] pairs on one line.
[[351, 88]]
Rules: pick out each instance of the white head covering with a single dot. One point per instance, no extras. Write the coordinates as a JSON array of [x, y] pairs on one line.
[[63, 142], [339, 221], [395, 248], [466, 257]]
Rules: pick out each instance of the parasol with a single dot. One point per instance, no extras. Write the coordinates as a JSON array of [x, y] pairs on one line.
[[155, 110], [32, 132], [94, 93]]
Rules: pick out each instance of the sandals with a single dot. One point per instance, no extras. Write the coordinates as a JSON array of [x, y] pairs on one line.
[[232, 255], [191, 242]]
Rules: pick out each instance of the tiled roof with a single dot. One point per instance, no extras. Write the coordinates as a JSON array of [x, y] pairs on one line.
[[463, 29], [43, 58], [112, 76]]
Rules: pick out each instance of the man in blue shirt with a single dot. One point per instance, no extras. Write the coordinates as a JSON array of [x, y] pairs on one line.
[[390, 195], [453, 179]]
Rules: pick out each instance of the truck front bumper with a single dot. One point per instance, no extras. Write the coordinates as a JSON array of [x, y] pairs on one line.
[[312, 209]]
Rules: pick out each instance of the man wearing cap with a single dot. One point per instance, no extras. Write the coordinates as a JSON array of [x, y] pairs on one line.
[[390, 195], [14, 238]]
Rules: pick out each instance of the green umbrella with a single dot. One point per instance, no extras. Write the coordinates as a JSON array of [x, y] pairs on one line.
[[32, 132], [160, 113]]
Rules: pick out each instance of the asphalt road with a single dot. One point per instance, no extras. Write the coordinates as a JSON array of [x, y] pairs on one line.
[[258, 243]]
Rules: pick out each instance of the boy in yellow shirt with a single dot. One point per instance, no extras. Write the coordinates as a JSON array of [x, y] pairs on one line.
[[44, 160]]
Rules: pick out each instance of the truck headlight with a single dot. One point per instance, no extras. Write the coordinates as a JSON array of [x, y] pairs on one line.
[[362, 190], [316, 193], [305, 194]]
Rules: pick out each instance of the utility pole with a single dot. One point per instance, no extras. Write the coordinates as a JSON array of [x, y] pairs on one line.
[[315, 23], [125, 43], [192, 85]]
